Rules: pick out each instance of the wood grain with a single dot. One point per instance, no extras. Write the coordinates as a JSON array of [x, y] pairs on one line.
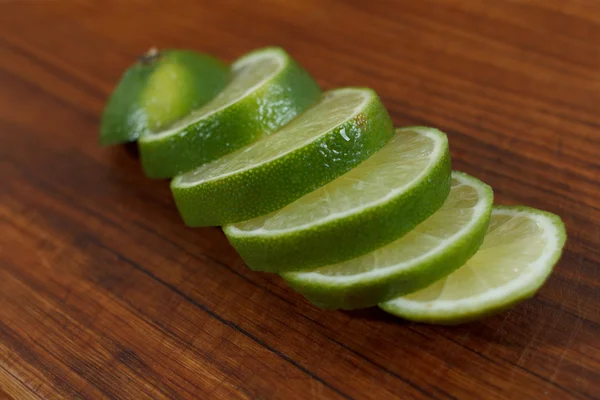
[[104, 293]]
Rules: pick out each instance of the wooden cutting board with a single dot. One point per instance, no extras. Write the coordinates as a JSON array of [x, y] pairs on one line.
[[104, 293]]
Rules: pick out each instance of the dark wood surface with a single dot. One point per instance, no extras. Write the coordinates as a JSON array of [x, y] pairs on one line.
[[104, 293]]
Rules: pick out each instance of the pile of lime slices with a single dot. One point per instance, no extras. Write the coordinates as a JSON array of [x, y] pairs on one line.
[[323, 190]]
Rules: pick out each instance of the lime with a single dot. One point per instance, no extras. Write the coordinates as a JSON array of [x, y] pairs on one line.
[[339, 132], [158, 90], [267, 90], [370, 206], [518, 253], [436, 247]]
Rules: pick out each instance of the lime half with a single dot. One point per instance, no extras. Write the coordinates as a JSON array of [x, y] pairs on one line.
[[517, 255], [339, 132], [267, 90], [436, 247], [370, 206], [159, 89]]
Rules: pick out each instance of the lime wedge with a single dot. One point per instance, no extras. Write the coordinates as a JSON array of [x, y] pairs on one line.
[[370, 206], [518, 253], [339, 132], [436, 247], [267, 90], [158, 90]]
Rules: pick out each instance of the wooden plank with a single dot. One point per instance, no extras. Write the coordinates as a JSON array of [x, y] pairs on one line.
[[104, 293]]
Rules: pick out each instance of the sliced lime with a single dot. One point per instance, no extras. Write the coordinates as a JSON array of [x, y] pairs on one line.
[[267, 90], [436, 247], [344, 128], [372, 205], [158, 90], [517, 255]]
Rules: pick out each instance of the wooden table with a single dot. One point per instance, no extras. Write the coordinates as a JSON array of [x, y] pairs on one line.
[[104, 293]]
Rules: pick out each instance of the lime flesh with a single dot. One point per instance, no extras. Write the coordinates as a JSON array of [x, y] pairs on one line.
[[436, 247], [339, 132], [267, 90], [371, 205], [517, 255]]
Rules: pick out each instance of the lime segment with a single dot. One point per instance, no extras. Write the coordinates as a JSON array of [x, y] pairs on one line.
[[371, 205], [267, 90], [158, 90], [339, 132], [517, 255], [436, 247]]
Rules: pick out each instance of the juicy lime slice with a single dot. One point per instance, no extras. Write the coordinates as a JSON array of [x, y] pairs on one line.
[[339, 132], [436, 247], [158, 90], [517, 255], [370, 206], [267, 90]]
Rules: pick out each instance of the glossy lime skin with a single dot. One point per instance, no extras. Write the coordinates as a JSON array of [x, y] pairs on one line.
[[143, 102], [351, 236], [274, 184], [263, 111]]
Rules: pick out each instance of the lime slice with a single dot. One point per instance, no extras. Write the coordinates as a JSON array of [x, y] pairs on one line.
[[158, 90], [436, 247], [339, 132], [267, 90], [370, 206], [519, 250]]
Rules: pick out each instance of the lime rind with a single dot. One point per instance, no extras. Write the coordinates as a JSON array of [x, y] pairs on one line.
[[373, 286], [131, 110], [342, 237], [185, 81], [262, 109], [292, 137], [123, 120], [271, 61], [273, 183], [497, 299]]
